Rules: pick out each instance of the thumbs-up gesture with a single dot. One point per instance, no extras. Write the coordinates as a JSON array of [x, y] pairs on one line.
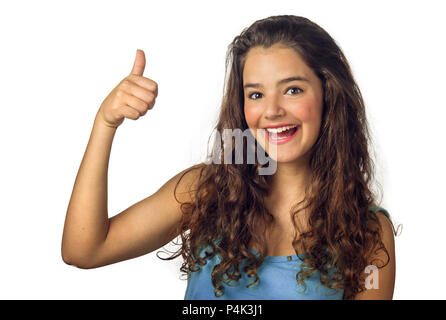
[[131, 98]]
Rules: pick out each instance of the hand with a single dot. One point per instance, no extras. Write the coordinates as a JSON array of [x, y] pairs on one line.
[[131, 98]]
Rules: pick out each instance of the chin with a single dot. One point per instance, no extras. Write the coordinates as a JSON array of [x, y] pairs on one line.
[[285, 158]]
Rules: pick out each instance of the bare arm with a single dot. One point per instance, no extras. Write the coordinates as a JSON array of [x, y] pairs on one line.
[[90, 239], [86, 222], [140, 229]]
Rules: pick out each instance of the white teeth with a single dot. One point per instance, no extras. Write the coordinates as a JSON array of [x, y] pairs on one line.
[[278, 130]]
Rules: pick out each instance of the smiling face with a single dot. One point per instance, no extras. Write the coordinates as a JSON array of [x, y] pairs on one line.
[[280, 89]]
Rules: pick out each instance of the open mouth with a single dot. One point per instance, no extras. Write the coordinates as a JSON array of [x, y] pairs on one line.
[[281, 135]]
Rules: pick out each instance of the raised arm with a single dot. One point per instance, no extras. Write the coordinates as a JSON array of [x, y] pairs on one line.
[[90, 238]]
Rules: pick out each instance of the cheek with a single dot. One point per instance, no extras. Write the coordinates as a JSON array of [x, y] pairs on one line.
[[252, 115], [308, 112]]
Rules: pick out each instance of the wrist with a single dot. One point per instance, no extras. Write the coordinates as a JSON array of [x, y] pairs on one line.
[[99, 121]]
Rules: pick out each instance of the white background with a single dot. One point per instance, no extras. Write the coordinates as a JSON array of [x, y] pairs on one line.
[[60, 59]]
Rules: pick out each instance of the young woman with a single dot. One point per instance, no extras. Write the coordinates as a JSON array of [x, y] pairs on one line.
[[310, 230]]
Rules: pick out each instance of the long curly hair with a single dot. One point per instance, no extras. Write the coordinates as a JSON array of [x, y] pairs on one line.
[[227, 210]]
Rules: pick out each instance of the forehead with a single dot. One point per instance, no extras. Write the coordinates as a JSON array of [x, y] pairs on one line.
[[275, 61]]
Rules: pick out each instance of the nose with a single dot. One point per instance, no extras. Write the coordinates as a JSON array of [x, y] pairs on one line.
[[273, 109]]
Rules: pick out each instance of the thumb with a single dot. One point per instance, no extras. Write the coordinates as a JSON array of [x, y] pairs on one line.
[[139, 64]]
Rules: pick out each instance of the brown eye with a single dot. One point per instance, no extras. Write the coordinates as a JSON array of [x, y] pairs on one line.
[[295, 88], [250, 96]]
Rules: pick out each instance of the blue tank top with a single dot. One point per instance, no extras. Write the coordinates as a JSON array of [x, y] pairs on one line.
[[277, 280]]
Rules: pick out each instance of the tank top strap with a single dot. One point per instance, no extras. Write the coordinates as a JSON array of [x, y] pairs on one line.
[[376, 208]]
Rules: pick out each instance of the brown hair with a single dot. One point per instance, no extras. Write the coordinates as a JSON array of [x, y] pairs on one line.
[[228, 211]]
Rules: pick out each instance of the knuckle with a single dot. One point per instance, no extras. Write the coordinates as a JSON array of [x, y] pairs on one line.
[[126, 82], [119, 94], [132, 77]]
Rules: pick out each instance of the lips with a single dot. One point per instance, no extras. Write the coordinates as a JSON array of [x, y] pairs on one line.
[[283, 136], [280, 125], [280, 129]]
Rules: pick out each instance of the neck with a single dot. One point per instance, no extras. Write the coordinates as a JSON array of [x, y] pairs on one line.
[[289, 181], [287, 189]]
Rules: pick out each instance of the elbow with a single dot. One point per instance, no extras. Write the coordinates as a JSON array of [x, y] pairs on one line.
[[76, 260], [72, 262]]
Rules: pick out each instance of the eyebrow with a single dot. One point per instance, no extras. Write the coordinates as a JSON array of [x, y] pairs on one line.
[[289, 79]]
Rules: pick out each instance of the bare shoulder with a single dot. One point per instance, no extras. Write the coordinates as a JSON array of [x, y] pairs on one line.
[[387, 237], [388, 229], [384, 278], [185, 183]]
